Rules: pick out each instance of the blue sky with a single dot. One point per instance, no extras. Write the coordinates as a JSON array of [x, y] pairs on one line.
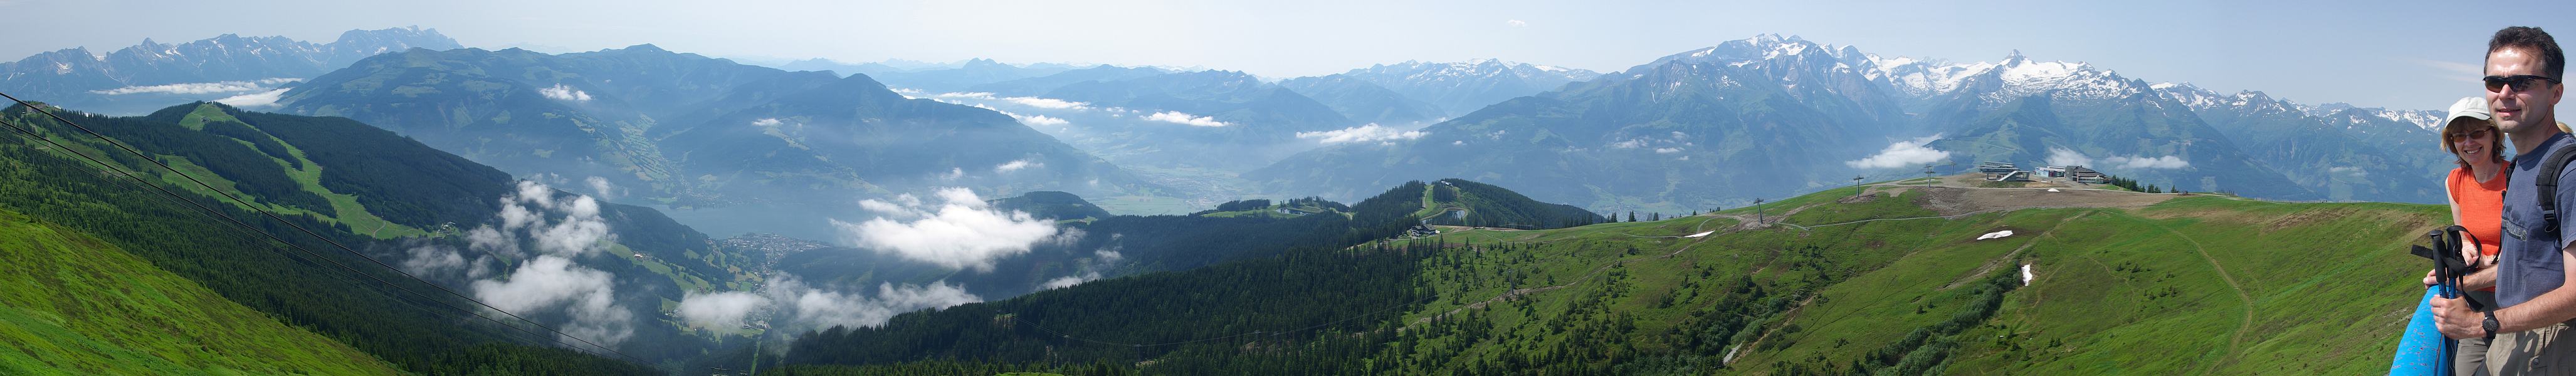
[[2375, 54]]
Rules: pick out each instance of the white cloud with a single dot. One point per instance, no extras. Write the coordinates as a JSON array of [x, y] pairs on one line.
[[719, 311], [1016, 166], [200, 87], [433, 260], [973, 95], [1069, 281], [263, 99], [1041, 120], [2064, 157], [587, 297], [565, 93], [1629, 144], [561, 230], [1667, 150], [765, 122], [2164, 162], [808, 308], [1101, 259], [1049, 103], [600, 186], [1364, 133], [886, 208], [1177, 117], [954, 173], [1516, 23], [960, 233], [578, 231], [1902, 154], [488, 240]]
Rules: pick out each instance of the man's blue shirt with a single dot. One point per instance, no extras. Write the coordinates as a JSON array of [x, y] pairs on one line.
[[2529, 264]]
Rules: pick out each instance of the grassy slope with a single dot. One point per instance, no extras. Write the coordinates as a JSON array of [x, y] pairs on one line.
[[345, 206], [76, 305], [2118, 291]]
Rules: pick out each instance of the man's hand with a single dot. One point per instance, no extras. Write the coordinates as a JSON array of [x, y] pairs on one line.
[[2455, 319], [2428, 278]]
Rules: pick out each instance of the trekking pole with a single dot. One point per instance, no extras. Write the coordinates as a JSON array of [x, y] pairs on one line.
[[2449, 271]]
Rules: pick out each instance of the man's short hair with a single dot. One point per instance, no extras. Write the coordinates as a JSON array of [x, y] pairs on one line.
[[2531, 39]]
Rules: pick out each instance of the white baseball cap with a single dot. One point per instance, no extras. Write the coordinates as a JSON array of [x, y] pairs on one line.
[[2470, 108]]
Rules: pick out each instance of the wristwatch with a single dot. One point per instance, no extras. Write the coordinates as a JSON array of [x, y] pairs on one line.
[[2491, 325]]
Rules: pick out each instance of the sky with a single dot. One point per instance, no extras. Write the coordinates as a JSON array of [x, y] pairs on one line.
[[2368, 53]]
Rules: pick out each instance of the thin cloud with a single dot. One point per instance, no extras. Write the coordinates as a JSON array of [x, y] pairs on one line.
[[721, 310], [1016, 166], [1177, 117], [803, 307], [565, 93], [1049, 103], [2064, 157], [201, 87], [2451, 70], [1041, 120], [265, 99], [1907, 153], [1364, 133]]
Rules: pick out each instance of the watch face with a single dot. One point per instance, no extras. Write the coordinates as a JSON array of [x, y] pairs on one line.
[[2490, 325]]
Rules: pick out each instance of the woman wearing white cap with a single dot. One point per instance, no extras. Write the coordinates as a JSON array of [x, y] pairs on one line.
[[2476, 193]]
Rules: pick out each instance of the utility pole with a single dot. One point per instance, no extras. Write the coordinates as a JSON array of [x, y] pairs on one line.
[[1758, 217]]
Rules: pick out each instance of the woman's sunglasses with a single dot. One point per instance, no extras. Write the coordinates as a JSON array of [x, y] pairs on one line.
[[2481, 133]]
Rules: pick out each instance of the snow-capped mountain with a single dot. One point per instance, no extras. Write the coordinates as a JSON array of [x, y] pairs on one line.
[[2014, 77], [151, 75], [2430, 120], [1461, 87], [1724, 109], [1719, 126]]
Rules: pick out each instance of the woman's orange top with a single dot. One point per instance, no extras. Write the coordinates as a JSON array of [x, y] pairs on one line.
[[2480, 207]]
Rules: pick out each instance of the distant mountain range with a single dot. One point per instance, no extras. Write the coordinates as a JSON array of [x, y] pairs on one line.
[[973, 72], [1456, 89], [1772, 116], [151, 75]]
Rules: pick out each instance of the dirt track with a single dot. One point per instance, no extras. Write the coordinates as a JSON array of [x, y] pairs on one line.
[[1960, 194]]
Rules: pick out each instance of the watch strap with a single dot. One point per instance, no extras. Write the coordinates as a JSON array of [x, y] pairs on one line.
[[2491, 325]]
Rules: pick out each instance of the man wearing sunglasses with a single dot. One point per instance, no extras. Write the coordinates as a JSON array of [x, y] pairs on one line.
[[2523, 70]]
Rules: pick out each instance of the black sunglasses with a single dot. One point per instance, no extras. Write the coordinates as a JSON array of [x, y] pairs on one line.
[[2478, 133], [2519, 82]]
